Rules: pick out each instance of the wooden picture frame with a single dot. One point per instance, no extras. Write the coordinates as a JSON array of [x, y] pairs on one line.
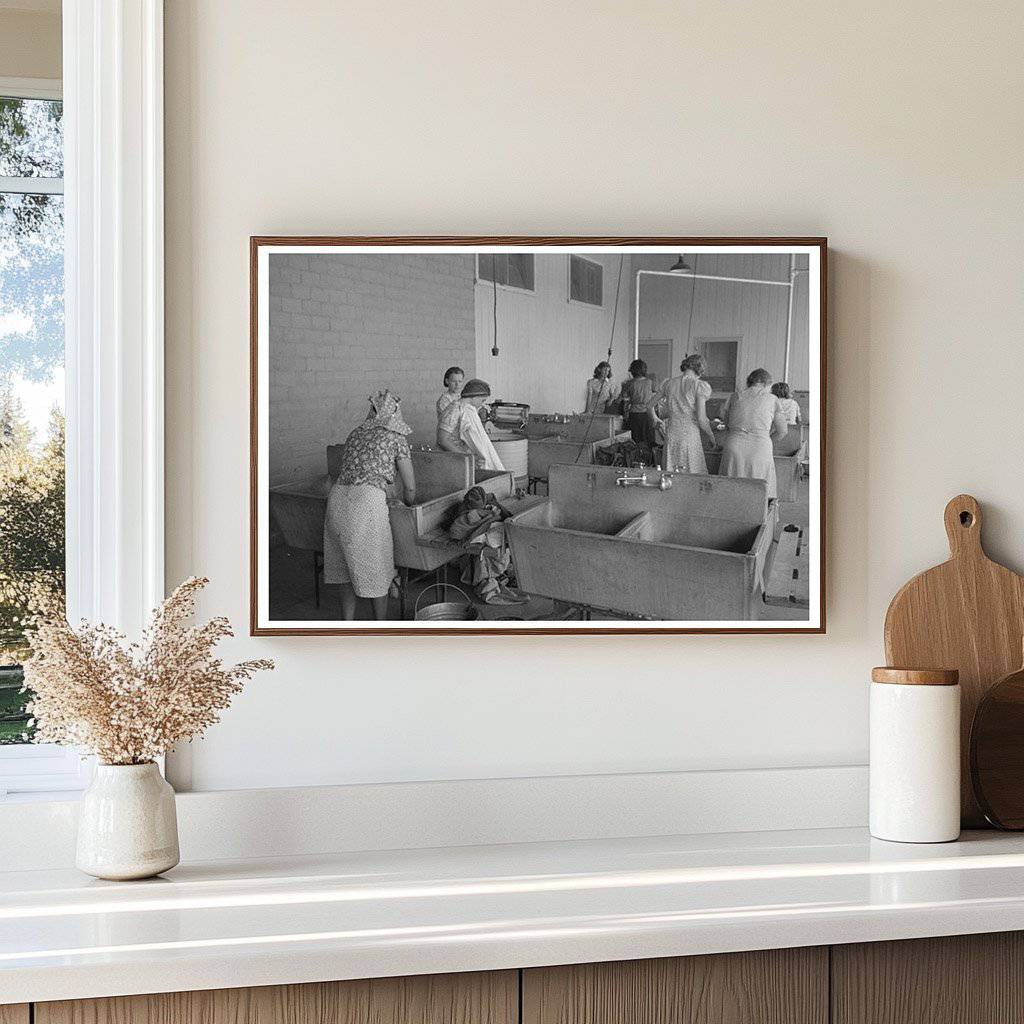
[[807, 256]]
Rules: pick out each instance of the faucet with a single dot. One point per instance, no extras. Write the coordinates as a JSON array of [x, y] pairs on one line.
[[663, 483]]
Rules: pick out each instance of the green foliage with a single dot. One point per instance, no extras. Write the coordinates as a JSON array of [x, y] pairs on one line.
[[31, 523]]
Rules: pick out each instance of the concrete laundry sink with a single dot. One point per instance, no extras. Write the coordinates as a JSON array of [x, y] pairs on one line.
[[573, 426], [442, 478], [693, 552]]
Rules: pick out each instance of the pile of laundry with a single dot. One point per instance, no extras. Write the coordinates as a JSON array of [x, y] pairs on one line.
[[478, 522], [627, 453]]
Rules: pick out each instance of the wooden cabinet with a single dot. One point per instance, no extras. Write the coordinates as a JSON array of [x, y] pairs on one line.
[[968, 979], [491, 998], [779, 986], [963, 979]]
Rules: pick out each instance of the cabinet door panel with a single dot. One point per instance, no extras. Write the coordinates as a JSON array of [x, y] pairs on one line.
[[961, 979], [779, 986], [479, 998], [14, 1013]]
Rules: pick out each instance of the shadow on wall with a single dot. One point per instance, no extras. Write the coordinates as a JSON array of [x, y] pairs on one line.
[[851, 282]]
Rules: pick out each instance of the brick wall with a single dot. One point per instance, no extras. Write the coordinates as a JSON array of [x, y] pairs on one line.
[[344, 326]]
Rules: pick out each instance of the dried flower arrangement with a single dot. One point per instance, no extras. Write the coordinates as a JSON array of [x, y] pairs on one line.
[[129, 703]]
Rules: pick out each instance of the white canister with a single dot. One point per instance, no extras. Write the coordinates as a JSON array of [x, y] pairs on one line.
[[915, 755]]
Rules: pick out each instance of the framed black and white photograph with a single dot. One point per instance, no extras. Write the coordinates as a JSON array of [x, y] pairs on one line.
[[537, 435]]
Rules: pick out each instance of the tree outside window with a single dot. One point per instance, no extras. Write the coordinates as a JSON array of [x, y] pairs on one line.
[[31, 385]]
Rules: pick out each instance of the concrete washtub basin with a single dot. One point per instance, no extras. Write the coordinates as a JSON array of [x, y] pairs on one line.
[[544, 452], [442, 479], [693, 552], [573, 426]]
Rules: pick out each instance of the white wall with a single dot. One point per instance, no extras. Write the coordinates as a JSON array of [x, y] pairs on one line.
[[756, 314], [548, 346], [889, 127]]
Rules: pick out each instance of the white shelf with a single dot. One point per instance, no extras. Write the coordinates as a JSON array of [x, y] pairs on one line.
[[352, 915]]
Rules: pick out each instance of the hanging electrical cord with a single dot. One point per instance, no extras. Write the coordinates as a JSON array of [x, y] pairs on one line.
[[494, 281], [611, 342]]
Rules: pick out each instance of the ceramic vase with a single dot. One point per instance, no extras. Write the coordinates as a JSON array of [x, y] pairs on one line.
[[127, 826]]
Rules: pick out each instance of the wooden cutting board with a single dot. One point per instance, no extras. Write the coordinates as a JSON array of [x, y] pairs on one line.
[[967, 614]]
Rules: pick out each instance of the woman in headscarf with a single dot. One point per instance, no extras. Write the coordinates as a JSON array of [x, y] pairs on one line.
[[601, 389], [679, 409], [753, 417], [453, 378], [359, 553], [460, 429]]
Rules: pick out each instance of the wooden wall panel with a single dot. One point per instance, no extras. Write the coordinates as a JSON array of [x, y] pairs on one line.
[[477, 998], [784, 986], [14, 1013], [962, 979]]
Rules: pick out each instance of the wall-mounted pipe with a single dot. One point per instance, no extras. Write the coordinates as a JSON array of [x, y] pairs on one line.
[[684, 275], [793, 271]]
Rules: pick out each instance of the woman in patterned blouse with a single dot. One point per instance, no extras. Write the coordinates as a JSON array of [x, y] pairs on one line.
[[359, 553]]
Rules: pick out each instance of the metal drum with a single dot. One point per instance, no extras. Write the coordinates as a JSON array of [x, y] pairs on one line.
[[512, 450], [444, 610]]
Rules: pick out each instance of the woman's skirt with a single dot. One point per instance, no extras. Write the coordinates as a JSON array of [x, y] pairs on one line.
[[358, 548], [749, 455], [683, 450], [640, 427]]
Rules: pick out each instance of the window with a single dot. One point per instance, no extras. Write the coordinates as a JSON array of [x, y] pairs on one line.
[[586, 281], [113, 485], [31, 394], [514, 269]]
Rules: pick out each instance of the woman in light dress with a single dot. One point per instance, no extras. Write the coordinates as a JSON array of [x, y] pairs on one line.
[[453, 378], [679, 410], [601, 390], [790, 406], [359, 553], [753, 417], [460, 430]]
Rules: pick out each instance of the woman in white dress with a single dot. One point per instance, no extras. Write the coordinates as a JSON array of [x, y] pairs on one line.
[[601, 390], [679, 410], [460, 430], [790, 406], [753, 417]]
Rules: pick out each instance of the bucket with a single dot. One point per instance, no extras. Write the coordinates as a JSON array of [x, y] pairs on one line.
[[446, 611]]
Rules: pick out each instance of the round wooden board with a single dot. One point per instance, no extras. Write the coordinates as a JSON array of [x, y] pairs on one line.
[[997, 753]]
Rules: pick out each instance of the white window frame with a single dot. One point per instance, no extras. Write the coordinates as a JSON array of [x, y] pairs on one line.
[[568, 281], [486, 283], [114, 328]]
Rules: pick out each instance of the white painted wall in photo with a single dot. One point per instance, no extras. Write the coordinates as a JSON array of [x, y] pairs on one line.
[[883, 126], [755, 314], [547, 345]]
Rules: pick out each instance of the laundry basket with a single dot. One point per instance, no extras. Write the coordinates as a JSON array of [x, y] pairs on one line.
[[445, 610]]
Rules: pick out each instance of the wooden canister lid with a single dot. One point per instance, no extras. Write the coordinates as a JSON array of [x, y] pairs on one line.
[[916, 676]]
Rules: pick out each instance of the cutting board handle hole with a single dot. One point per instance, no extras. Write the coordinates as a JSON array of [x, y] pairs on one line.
[[966, 519]]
